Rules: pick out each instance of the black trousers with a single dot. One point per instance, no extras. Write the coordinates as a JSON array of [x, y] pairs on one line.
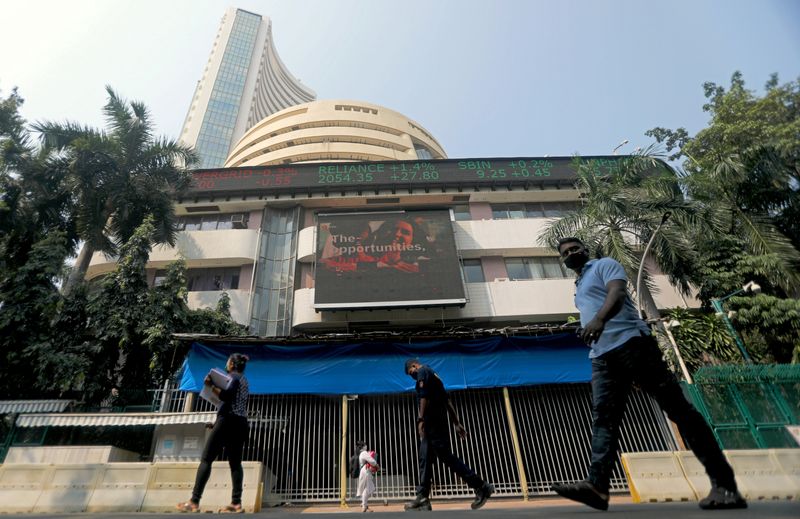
[[639, 361], [229, 432], [436, 444]]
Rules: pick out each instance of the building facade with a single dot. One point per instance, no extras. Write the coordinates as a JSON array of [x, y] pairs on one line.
[[302, 229], [243, 82]]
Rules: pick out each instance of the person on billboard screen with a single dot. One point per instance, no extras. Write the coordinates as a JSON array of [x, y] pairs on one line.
[[401, 245]]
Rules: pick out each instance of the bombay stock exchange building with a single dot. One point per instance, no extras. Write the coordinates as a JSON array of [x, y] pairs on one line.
[[351, 198], [243, 81]]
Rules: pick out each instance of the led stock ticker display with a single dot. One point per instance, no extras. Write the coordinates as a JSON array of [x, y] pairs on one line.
[[363, 175]]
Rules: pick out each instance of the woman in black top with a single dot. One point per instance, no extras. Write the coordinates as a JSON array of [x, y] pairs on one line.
[[230, 431]]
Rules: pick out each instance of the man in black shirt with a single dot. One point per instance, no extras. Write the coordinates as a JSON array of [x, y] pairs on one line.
[[433, 406]]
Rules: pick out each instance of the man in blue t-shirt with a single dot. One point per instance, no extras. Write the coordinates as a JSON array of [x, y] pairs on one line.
[[623, 352]]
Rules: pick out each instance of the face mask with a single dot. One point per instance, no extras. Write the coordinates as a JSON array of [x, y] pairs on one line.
[[576, 260]]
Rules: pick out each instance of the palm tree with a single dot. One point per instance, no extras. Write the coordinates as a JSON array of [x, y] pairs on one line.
[[620, 212], [118, 176], [724, 184]]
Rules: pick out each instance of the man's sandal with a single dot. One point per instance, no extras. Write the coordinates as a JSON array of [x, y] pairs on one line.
[[188, 506], [232, 509]]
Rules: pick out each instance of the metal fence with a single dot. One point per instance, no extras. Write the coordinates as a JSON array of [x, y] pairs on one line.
[[555, 430], [749, 406], [299, 439]]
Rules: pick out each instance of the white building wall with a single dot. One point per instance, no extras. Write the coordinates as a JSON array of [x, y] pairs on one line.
[[226, 248], [527, 301]]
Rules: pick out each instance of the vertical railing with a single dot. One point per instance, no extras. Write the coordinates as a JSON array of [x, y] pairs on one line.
[[301, 440]]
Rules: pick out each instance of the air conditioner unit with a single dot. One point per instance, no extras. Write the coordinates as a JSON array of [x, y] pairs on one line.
[[239, 221]]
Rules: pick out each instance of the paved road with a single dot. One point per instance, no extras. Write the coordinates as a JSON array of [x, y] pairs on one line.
[[499, 510]]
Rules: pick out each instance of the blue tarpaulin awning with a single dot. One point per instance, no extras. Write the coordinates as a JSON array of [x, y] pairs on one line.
[[377, 366]]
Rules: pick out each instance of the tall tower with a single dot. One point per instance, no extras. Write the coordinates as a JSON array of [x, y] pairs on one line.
[[243, 82]]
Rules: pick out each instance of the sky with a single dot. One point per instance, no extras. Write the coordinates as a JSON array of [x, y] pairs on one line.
[[491, 78]]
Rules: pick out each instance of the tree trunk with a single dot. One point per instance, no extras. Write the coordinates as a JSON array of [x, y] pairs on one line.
[[79, 269]]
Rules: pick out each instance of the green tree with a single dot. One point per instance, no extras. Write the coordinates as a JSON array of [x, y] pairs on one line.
[[30, 302], [746, 166], [133, 324], [770, 322], [117, 332], [168, 313], [703, 339], [118, 177], [619, 213], [36, 236]]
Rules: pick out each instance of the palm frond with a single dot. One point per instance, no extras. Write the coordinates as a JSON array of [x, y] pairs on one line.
[[63, 135], [763, 238], [118, 115], [571, 224]]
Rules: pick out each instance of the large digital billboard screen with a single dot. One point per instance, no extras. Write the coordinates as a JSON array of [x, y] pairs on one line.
[[387, 259]]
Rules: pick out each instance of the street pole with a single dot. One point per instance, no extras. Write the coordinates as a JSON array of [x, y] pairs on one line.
[[717, 304], [664, 219], [664, 327], [682, 364]]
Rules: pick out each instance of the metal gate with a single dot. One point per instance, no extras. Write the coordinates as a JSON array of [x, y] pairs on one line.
[[300, 440], [387, 424], [554, 424]]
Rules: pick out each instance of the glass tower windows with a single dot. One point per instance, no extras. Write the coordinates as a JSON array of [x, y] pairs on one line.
[[219, 120]]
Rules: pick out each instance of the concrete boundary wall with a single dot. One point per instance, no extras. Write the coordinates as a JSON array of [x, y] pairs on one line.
[[695, 473], [761, 474], [120, 487], [789, 462], [656, 476], [21, 486], [67, 488]]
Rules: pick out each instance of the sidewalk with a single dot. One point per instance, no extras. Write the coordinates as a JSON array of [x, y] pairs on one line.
[[621, 508], [497, 503], [549, 508]]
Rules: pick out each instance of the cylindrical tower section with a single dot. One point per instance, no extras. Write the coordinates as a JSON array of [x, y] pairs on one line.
[[334, 131]]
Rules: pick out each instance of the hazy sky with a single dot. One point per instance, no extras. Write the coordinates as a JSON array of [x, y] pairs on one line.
[[488, 78]]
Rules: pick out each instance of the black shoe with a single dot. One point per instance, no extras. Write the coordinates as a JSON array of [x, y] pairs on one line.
[[722, 499], [583, 492], [419, 503], [481, 495]]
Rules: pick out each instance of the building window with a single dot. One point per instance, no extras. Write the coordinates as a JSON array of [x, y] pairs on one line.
[[558, 209], [211, 222], [517, 268], [461, 212], [473, 271], [211, 279], [423, 153], [160, 277], [532, 210], [508, 211], [538, 267]]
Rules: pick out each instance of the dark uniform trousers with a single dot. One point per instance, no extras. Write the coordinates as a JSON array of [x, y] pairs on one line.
[[436, 444]]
